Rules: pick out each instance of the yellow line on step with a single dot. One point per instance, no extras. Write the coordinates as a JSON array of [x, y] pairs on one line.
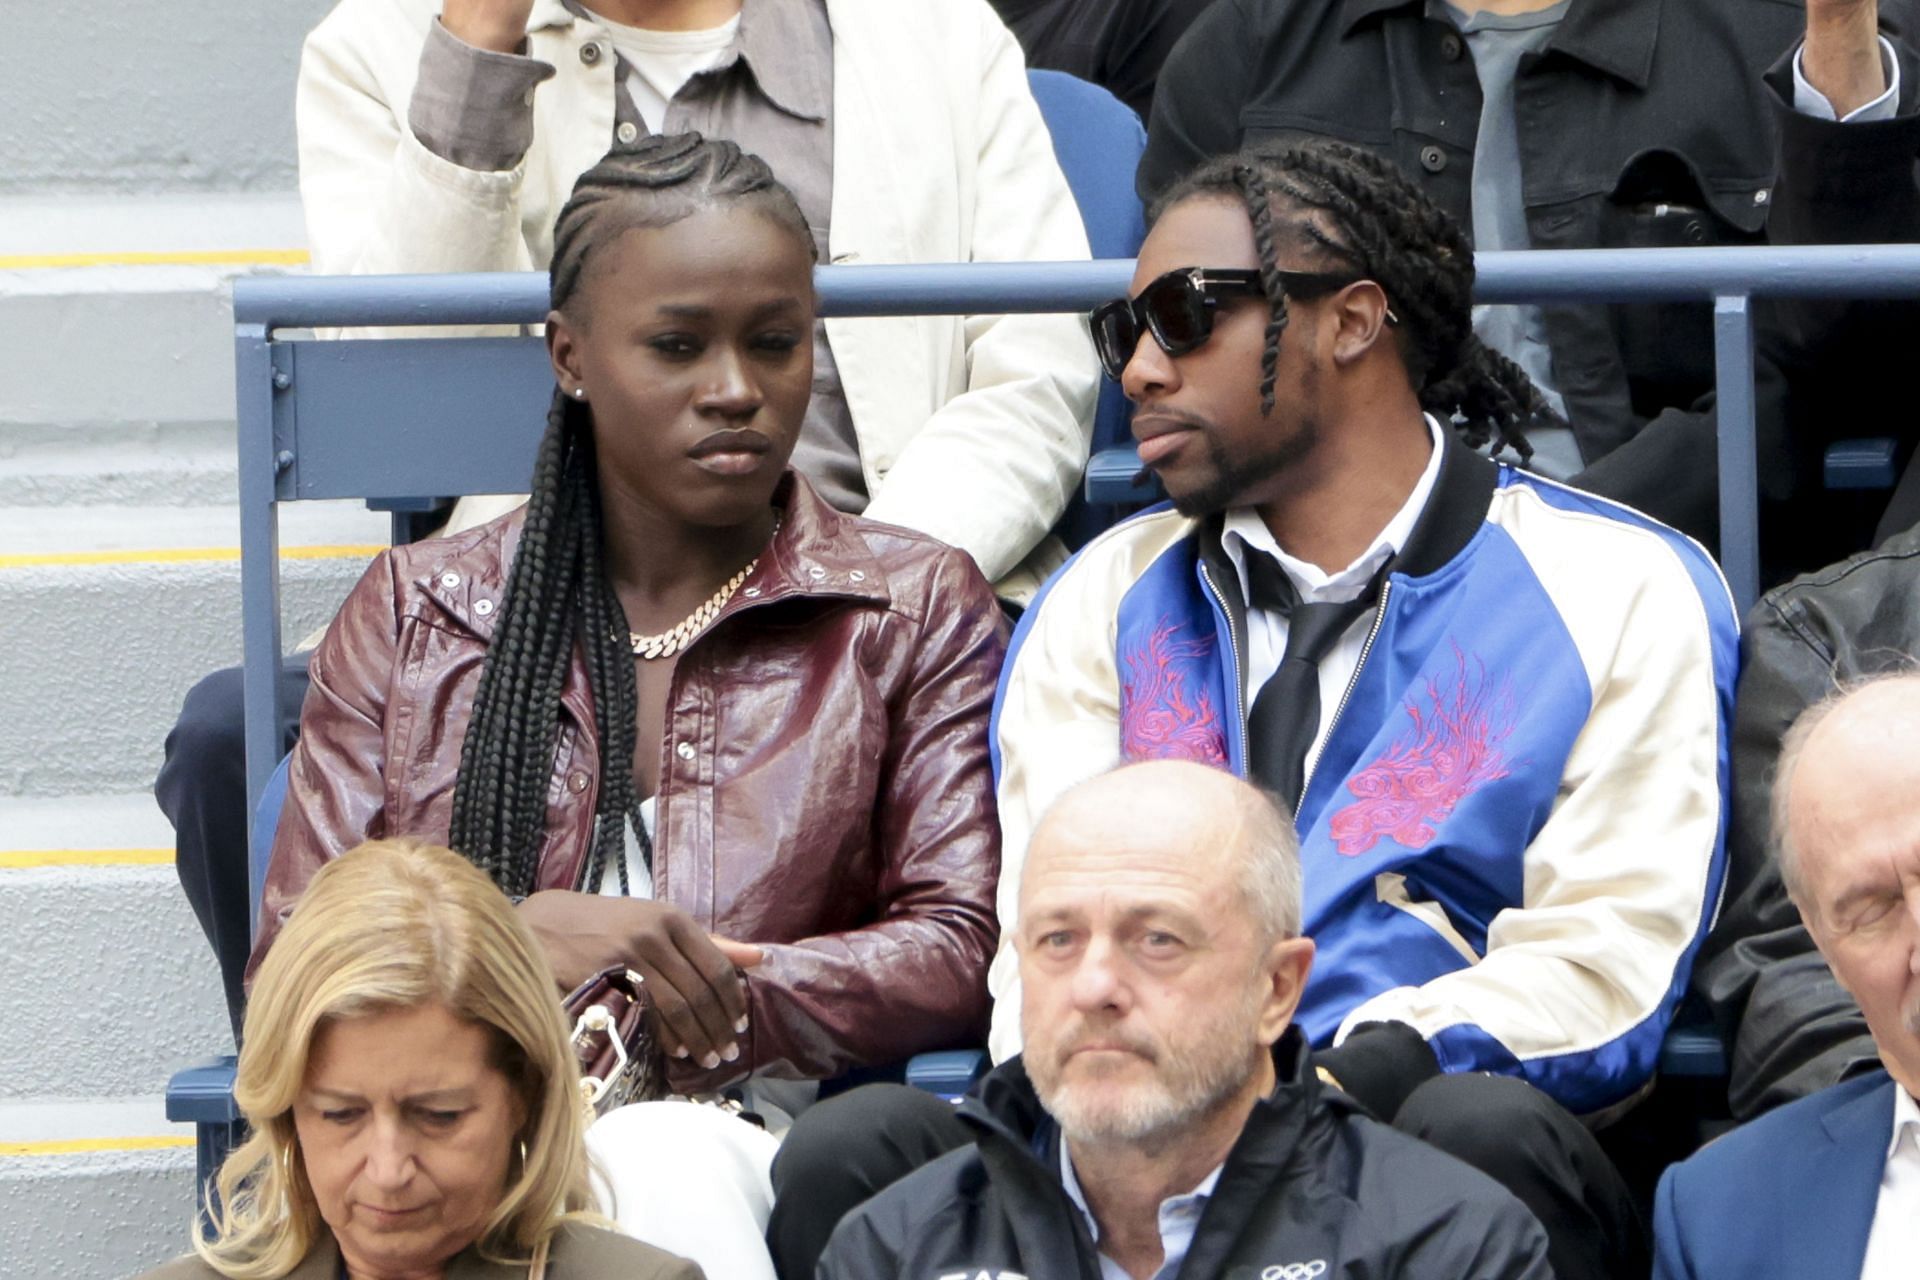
[[80, 1146], [139, 258], [21, 859], [186, 555]]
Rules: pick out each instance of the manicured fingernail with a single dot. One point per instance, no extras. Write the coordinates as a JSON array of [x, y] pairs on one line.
[[741, 1025], [711, 1061], [732, 1054], [679, 1051]]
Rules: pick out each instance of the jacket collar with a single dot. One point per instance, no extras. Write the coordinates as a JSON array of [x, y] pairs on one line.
[[772, 33], [1614, 36], [1019, 1145], [1455, 512], [1006, 1106], [817, 551], [323, 1263], [1847, 1170]]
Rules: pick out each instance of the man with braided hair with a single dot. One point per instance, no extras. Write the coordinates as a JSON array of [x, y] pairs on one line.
[[1496, 706]]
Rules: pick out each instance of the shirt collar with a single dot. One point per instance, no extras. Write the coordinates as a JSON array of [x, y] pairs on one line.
[[1906, 1120], [1616, 36], [1196, 1198], [779, 40], [1243, 531]]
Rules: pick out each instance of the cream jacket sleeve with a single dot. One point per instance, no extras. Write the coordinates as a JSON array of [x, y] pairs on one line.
[[378, 201], [993, 467]]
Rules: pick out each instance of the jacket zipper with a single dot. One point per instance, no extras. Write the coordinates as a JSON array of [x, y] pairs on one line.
[[1379, 616], [1233, 647]]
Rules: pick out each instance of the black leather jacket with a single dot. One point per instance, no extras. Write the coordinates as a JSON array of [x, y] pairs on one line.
[[1793, 1030]]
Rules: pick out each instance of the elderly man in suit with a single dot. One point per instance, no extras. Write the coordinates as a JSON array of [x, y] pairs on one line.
[[1830, 1185]]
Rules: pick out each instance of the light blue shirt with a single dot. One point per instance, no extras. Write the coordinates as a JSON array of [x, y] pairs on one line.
[[1179, 1215], [1809, 101]]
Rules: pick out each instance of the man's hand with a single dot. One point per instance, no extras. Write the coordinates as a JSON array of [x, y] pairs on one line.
[[699, 1001], [1842, 57], [499, 25]]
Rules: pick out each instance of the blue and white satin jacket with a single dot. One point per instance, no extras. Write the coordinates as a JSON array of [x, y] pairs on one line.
[[1513, 837]]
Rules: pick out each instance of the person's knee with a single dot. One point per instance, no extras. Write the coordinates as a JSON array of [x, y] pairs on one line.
[[869, 1136], [208, 741], [1494, 1123]]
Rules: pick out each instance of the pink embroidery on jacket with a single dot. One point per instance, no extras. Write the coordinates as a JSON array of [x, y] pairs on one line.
[[1159, 718], [1453, 749]]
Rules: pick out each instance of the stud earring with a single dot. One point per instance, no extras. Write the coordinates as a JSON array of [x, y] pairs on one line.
[[579, 393]]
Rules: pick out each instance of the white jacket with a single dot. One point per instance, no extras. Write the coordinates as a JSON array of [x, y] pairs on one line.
[[974, 429]]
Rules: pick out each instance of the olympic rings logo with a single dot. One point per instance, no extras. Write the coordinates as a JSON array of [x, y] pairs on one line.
[[1296, 1270]]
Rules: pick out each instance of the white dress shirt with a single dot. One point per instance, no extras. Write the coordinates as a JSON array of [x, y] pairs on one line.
[[1893, 1244], [1179, 1215], [1244, 530]]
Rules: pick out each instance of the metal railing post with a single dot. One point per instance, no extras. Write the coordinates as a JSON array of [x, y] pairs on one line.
[[1739, 466], [259, 557]]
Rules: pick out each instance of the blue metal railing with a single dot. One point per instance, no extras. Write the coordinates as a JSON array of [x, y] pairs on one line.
[[1727, 278]]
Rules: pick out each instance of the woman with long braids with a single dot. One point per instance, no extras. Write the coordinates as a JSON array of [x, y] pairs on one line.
[[694, 721]]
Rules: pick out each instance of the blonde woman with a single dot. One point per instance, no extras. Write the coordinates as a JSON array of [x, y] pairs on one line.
[[413, 1100]]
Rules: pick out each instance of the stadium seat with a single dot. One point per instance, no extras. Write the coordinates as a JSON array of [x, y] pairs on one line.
[[1098, 140], [1869, 463]]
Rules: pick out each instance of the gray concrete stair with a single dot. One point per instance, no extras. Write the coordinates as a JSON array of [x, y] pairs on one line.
[[94, 1215], [119, 587], [109, 614], [108, 987]]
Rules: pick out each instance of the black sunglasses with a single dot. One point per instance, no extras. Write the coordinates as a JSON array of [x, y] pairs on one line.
[[1177, 309]]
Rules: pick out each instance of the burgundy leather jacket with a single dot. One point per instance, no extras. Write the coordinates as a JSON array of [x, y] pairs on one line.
[[824, 791]]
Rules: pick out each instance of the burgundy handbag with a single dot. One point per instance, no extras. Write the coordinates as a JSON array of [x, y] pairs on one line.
[[619, 1059]]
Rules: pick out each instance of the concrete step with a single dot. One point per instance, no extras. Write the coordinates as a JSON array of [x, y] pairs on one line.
[[95, 1214], [117, 313], [109, 615], [201, 98], [136, 465], [107, 981]]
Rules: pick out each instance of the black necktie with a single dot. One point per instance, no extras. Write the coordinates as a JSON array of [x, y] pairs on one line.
[[1286, 712]]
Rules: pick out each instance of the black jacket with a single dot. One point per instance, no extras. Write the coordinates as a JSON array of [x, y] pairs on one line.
[[1311, 1180], [1117, 44], [1792, 1028], [1852, 184], [1645, 123]]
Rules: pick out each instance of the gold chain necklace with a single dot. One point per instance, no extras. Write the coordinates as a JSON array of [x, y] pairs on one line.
[[665, 644]]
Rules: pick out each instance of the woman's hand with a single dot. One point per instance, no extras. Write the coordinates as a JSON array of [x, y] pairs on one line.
[[499, 25], [693, 985]]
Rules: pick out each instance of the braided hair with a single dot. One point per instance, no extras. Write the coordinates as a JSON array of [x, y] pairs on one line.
[[1349, 205], [558, 594]]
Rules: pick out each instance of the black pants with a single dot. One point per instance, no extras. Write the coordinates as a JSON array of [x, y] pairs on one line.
[[844, 1150], [202, 788]]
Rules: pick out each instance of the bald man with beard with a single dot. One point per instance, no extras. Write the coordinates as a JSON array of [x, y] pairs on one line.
[[1164, 1117]]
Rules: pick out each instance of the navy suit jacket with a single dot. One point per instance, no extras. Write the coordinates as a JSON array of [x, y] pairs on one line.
[[1788, 1196]]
